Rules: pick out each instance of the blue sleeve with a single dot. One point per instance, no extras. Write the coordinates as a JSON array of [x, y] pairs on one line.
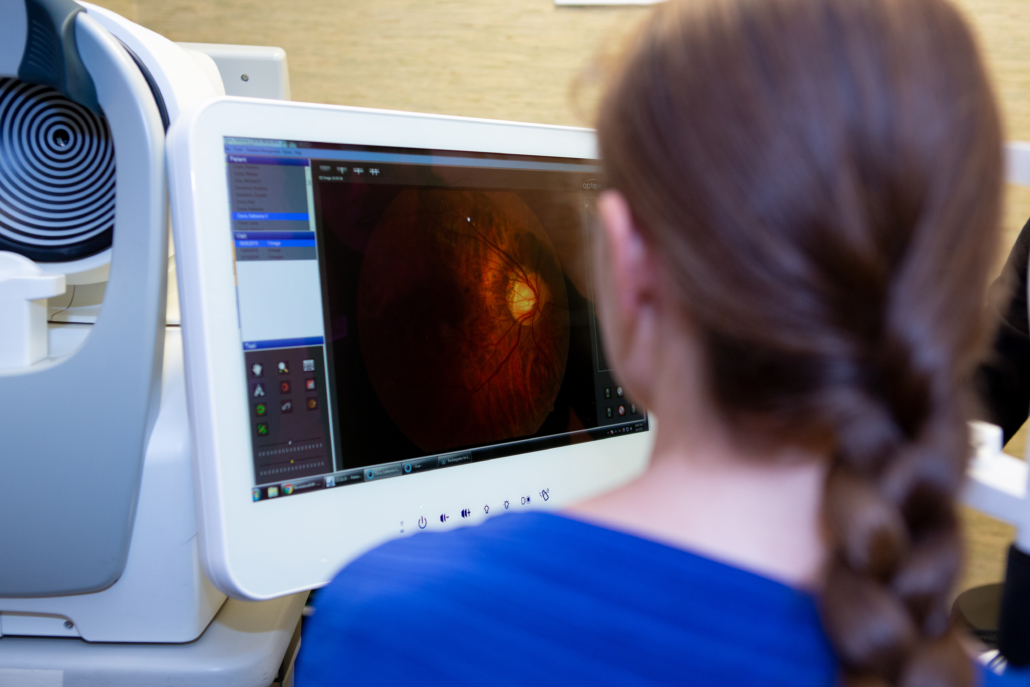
[[1012, 677]]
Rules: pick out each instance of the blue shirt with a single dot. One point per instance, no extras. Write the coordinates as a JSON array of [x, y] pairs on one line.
[[542, 599]]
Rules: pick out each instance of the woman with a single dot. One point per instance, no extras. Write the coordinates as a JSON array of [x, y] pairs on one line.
[[803, 210]]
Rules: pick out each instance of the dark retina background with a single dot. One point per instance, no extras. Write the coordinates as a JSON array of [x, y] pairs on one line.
[[348, 213]]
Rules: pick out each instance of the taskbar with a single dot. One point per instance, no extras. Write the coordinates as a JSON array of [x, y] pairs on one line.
[[374, 473]]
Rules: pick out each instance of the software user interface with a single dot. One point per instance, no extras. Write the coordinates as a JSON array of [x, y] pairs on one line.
[[409, 310]]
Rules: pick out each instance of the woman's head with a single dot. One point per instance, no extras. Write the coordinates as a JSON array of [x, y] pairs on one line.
[[818, 184]]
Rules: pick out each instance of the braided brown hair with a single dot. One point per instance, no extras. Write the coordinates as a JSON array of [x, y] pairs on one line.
[[822, 179]]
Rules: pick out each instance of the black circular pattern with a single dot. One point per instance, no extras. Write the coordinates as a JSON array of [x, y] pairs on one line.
[[57, 175]]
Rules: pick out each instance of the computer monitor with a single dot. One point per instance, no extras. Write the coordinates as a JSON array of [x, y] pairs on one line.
[[388, 327]]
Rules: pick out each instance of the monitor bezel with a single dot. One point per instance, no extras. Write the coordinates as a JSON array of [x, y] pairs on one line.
[[267, 549]]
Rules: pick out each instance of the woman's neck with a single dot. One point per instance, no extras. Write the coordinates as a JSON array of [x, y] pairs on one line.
[[757, 512]]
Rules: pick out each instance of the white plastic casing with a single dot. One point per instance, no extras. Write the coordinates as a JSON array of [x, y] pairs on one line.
[[162, 595], [1017, 163], [274, 547], [23, 293], [180, 79], [997, 482], [247, 71]]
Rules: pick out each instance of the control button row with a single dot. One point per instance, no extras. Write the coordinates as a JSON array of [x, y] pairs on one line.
[[545, 494]]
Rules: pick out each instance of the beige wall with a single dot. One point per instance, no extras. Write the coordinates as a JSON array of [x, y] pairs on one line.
[[506, 59], [515, 59]]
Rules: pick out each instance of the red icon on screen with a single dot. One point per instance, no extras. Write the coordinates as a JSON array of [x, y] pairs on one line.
[[284, 387]]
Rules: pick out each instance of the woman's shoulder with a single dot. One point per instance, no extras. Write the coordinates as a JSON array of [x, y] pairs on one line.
[[547, 557], [576, 600]]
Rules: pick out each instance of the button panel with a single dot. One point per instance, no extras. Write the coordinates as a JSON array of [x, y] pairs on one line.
[[446, 518]]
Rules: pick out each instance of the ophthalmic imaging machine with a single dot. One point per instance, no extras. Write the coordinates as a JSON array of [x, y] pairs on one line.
[[100, 573]]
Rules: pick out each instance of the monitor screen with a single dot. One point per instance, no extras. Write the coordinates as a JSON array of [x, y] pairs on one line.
[[407, 310]]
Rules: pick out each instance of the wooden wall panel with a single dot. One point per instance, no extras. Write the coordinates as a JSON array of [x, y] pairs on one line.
[[506, 60], [515, 59], [1003, 27]]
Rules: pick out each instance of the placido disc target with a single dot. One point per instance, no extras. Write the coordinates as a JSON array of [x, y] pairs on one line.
[[57, 175]]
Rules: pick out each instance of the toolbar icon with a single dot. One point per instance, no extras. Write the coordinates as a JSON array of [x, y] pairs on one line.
[[466, 512], [444, 518], [256, 494], [257, 369], [359, 170], [486, 509], [341, 170], [284, 367], [273, 492], [422, 523], [309, 365], [259, 390], [374, 171]]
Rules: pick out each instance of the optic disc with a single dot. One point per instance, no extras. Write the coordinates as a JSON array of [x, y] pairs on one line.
[[525, 297]]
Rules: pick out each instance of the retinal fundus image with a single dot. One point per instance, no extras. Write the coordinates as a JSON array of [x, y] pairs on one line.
[[462, 317]]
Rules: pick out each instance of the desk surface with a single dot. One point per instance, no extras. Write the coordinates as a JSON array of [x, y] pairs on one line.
[[242, 647]]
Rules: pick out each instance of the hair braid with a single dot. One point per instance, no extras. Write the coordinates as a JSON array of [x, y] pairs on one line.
[[889, 507], [822, 179]]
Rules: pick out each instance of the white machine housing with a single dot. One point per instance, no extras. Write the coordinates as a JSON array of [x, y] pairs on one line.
[[162, 594], [274, 547], [248, 71]]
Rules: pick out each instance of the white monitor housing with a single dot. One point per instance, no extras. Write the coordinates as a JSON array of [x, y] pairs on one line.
[[388, 327]]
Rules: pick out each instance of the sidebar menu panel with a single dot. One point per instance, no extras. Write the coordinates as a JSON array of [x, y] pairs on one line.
[[281, 324]]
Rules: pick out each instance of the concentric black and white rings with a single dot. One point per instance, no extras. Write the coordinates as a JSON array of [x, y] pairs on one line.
[[57, 173]]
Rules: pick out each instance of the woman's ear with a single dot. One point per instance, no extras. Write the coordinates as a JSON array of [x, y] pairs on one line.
[[627, 280]]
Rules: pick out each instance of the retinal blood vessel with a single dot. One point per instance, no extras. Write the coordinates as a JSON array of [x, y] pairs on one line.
[[463, 317]]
